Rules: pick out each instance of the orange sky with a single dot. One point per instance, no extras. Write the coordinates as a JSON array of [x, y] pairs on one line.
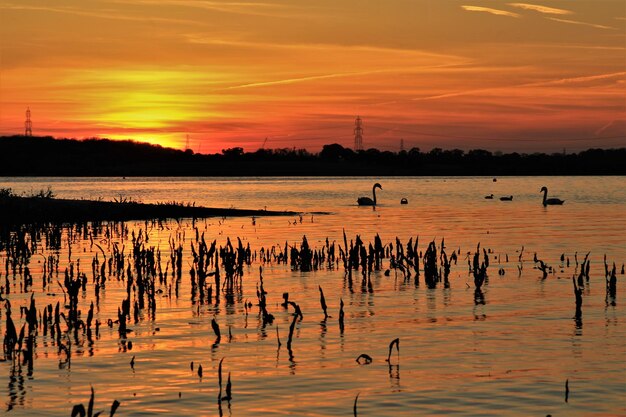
[[497, 75]]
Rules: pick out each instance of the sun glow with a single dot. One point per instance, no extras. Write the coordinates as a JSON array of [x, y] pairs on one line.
[[149, 99]]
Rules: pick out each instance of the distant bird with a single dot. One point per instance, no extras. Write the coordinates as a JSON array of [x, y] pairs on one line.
[[506, 198], [550, 201], [404, 201], [366, 201], [489, 197]]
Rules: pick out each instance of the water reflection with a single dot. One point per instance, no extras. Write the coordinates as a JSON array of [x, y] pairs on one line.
[[447, 297], [431, 305], [522, 311], [479, 297], [322, 338], [292, 362], [394, 377], [16, 390]]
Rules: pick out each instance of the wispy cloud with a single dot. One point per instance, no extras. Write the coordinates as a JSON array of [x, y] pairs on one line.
[[490, 10], [540, 9], [305, 79], [576, 46], [321, 47], [235, 7], [575, 22], [614, 127], [582, 79], [104, 14], [560, 81], [296, 80], [319, 77]]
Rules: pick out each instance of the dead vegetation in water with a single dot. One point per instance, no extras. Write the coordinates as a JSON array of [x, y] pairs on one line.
[[217, 274], [80, 411]]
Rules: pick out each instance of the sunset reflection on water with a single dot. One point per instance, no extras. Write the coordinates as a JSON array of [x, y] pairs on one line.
[[508, 356]]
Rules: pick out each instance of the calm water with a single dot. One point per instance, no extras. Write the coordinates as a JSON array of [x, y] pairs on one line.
[[508, 356]]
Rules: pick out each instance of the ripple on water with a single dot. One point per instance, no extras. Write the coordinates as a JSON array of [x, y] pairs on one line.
[[508, 356]]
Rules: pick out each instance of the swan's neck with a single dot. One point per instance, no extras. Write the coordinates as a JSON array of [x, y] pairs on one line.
[[374, 194], [545, 195]]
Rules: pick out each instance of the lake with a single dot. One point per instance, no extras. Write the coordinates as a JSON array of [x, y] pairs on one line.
[[508, 352]]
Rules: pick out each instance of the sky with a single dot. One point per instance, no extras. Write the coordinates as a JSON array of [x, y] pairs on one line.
[[505, 76]]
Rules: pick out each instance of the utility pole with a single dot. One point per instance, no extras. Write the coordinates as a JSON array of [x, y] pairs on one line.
[[28, 125], [358, 134]]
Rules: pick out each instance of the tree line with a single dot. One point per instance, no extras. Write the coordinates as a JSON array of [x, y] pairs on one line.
[[48, 156]]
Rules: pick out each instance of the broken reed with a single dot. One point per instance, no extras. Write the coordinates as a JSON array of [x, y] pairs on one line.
[[141, 268], [215, 272]]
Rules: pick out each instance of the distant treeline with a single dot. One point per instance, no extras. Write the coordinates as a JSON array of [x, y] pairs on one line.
[[47, 156]]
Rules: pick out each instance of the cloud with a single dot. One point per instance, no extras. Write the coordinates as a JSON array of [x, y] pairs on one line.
[[298, 80], [322, 77], [613, 128], [242, 8], [560, 81], [584, 78], [321, 47], [540, 9], [114, 15], [490, 10], [575, 22]]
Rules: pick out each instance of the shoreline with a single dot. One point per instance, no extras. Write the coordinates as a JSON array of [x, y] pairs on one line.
[[25, 210]]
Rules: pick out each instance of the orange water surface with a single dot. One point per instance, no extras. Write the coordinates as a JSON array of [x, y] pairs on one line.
[[510, 356]]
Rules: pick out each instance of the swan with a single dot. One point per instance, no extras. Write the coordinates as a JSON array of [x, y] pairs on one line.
[[506, 198], [550, 201], [366, 201], [489, 197]]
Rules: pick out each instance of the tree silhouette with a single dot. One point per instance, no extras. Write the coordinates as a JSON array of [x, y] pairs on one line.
[[47, 156]]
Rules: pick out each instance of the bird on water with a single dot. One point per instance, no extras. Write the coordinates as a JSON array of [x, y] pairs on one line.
[[366, 201], [550, 201]]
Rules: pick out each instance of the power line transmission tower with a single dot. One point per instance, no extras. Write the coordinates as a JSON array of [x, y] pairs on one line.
[[401, 145], [187, 143], [28, 125], [358, 134]]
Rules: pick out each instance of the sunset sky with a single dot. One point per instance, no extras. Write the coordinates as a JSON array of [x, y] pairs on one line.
[[497, 75]]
